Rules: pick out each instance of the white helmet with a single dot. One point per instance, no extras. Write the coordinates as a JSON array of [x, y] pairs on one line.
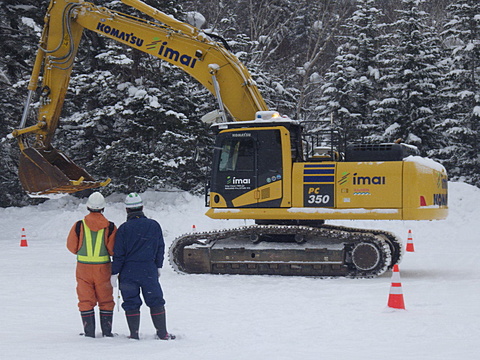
[[96, 201], [133, 201]]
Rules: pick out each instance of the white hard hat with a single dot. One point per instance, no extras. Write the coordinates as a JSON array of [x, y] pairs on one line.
[[133, 200], [96, 201]]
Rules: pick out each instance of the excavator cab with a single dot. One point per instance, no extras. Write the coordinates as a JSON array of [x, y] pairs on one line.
[[252, 163], [50, 171]]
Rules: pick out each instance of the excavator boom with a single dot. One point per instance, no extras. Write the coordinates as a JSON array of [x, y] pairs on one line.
[[44, 169]]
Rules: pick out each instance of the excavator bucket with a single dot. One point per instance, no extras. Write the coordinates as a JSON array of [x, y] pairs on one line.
[[51, 171]]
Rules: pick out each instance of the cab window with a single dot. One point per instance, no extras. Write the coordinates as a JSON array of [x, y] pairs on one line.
[[237, 154]]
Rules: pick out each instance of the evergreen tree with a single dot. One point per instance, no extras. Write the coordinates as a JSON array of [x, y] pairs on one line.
[[460, 94], [19, 32], [351, 88], [411, 79], [315, 30]]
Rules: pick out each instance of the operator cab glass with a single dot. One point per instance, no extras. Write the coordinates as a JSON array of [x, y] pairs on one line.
[[237, 155]]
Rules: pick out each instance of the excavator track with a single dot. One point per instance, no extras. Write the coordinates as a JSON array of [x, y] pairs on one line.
[[326, 251]]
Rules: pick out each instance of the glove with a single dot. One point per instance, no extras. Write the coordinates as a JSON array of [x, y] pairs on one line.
[[113, 280], [159, 271]]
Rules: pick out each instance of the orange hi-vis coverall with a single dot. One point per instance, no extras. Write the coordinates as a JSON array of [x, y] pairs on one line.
[[93, 245]]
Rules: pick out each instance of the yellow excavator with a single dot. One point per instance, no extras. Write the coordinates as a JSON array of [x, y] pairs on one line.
[[265, 168]]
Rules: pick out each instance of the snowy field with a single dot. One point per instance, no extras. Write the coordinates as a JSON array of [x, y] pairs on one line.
[[247, 317]]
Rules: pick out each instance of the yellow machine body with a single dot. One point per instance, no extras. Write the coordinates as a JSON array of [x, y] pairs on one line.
[[412, 188]]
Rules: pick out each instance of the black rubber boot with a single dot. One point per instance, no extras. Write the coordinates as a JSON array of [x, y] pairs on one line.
[[106, 319], [133, 321], [88, 321], [160, 323]]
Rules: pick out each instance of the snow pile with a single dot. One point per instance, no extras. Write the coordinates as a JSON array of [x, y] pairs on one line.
[[247, 317]]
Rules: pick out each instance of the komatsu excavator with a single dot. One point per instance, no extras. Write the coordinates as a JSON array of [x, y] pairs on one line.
[[264, 168]]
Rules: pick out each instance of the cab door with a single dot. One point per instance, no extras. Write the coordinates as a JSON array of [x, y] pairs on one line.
[[247, 163]]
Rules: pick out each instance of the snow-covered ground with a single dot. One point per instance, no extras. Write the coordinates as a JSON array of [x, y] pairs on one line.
[[247, 317]]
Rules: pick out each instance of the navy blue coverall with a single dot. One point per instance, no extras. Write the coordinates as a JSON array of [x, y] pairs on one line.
[[137, 255]]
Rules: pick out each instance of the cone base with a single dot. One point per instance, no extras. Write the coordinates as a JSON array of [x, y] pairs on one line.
[[396, 302]]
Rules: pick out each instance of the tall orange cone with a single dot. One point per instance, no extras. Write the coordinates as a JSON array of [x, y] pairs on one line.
[[194, 228], [23, 239], [410, 247], [395, 299]]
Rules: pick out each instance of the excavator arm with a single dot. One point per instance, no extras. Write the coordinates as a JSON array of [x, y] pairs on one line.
[[42, 168]]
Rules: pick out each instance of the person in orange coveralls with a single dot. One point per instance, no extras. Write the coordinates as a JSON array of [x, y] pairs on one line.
[[92, 240]]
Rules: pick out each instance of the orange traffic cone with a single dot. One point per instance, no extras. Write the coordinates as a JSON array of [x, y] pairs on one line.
[[395, 299], [410, 247], [194, 228], [23, 239]]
